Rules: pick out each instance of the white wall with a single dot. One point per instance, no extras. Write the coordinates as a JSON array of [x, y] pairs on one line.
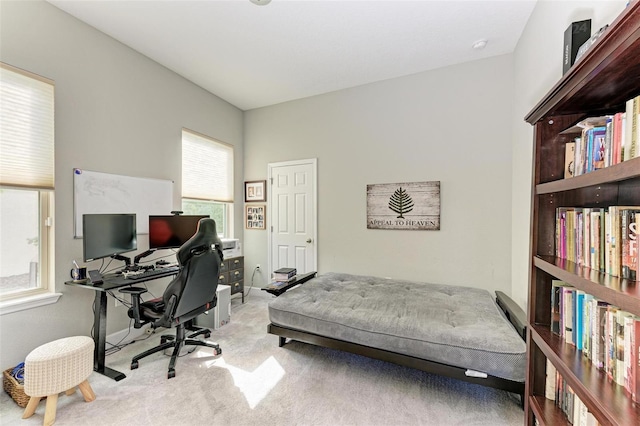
[[537, 67], [449, 125], [116, 112]]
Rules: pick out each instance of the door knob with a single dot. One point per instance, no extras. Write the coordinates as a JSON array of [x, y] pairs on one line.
[[309, 240]]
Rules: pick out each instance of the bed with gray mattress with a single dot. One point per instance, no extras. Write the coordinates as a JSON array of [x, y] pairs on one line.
[[461, 332]]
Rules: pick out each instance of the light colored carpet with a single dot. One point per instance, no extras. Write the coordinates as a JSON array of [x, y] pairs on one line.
[[255, 382]]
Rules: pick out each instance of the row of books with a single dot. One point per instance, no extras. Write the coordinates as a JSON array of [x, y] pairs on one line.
[[604, 141], [604, 240], [606, 335], [557, 390]]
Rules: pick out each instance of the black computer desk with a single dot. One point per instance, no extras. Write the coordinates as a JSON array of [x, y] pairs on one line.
[[100, 316]]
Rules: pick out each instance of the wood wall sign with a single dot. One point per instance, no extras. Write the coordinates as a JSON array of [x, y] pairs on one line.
[[412, 206]]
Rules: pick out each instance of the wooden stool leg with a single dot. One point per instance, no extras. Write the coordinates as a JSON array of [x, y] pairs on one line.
[[50, 410], [31, 407], [70, 391], [87, 391]]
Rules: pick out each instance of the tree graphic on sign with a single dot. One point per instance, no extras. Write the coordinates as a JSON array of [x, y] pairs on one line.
[[400, 202]]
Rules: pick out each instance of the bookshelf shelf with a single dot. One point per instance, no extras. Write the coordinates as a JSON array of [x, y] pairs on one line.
[[620, 172], [620, 292], [546, 412], [599, 83]]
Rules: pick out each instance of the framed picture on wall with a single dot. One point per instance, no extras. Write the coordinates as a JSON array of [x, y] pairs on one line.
[[255, 216], [255, 190]]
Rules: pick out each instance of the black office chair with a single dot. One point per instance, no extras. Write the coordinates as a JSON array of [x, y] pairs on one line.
[[191, 293]]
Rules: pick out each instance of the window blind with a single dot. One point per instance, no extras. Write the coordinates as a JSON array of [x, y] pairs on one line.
[[207, 168], [26, 129]]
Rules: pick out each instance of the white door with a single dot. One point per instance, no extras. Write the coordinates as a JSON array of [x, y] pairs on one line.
[[292, 215]]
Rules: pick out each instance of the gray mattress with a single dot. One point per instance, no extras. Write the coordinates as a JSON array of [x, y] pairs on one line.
[[458, 326]]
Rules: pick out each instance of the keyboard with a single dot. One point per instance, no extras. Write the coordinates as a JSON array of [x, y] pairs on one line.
[[150, 273]]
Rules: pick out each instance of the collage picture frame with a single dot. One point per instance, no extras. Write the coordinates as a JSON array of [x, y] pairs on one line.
[[255, 216]]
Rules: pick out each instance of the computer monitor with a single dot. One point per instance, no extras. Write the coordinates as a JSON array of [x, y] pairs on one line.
[[108, 235], [167, 232]]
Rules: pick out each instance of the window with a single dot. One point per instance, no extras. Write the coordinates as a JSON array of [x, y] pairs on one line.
[[26, 183], [207, 179]]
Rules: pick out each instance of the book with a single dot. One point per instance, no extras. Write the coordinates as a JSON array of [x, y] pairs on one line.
[[578, 318], [569, 158], [619, 346], [591, 420], [579, 159], [629, 353], [608, 250], [550, 382], [556, 303], [284, 274], [634, 148], [635, 359], [630, 148], [570, 235], [588, 166], [608, 142], [599, 144], [599, 334], [586, 325], [568, 310], [561, 232], [610, 342], [637, 246], [629, 243], [579, 231], [617, 139], [594, 239], [615, 241], [586, 238]]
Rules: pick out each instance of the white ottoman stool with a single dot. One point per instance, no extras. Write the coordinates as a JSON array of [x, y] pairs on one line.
[[55, 367]]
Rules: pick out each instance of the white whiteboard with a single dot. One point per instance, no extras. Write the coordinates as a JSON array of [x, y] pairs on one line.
[[95, 192]]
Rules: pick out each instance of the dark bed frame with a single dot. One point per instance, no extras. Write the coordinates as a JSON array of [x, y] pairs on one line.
[[512, 311]]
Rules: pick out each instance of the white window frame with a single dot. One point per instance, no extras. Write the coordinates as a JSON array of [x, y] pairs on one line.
[[228, 202], [44, 294]]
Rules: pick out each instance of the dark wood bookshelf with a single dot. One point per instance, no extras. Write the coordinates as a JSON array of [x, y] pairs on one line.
[[599, 83]]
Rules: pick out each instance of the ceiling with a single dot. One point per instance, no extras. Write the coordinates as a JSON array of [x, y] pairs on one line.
[[254, 56]]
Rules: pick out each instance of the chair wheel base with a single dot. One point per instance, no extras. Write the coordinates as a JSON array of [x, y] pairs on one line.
[[134, 365]]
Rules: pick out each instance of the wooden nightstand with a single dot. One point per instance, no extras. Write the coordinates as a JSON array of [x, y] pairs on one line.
[[232, 274]]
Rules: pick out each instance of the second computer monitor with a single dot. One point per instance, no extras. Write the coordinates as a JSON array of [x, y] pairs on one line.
[[171, 231]]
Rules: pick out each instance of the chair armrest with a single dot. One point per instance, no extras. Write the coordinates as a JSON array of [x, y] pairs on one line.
[[135, 293], [513, 312]]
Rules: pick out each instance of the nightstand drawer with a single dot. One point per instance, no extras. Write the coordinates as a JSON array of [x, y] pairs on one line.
[[235, 263], [237, 287], [236, 275]]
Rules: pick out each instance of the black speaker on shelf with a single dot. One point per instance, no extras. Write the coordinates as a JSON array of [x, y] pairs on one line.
[[574, 36]]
